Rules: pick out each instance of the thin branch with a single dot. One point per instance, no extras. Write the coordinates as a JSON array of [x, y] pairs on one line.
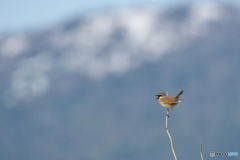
[[170, 136], [201, 151], [167, 92]]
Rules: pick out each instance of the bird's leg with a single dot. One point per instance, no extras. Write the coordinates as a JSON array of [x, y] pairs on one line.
[[167, 112], [171, 110]]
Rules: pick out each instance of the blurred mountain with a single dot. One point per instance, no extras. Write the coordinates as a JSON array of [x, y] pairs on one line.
[[85, 88]]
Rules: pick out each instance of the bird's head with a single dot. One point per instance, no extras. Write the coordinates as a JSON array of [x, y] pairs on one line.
[[160, 95]]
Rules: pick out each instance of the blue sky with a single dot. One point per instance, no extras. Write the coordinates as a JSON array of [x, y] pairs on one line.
[[28, 14]]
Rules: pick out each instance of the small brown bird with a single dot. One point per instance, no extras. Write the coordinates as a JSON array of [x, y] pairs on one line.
[[168, 102]]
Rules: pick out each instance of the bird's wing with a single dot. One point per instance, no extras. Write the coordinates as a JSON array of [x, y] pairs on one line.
[[171, 100]]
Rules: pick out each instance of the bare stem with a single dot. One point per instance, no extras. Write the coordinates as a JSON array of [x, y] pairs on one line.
[[170, 136], [201, 151], [167, 92]]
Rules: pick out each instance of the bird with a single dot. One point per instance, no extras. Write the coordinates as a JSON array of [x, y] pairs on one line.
[[168, 102]]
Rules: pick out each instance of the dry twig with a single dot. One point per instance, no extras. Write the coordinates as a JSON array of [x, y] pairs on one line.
[[170, 136], [201, 151]]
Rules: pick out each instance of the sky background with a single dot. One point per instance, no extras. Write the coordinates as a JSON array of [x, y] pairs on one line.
[[27, 14]]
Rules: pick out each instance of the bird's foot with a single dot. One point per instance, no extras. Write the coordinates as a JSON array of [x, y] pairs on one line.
[[167, 115]]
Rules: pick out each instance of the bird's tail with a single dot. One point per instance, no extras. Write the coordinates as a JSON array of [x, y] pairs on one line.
[[178, 96]]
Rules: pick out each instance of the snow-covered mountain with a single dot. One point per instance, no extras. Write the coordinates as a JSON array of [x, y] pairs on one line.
[[104, 43], [85, 89]]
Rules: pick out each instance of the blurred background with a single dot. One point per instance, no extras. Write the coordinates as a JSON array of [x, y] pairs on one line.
[[78, 79]]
